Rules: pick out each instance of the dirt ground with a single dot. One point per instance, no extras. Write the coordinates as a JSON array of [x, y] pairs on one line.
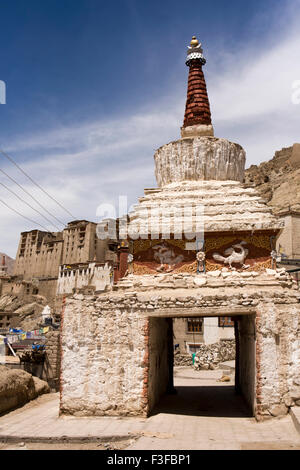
[[123, 445], [205, 414], [120, 445]]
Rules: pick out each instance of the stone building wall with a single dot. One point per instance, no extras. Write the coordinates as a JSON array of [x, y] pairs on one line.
[[211, 333], [44, 287], [39, 254], [183, 337], [80, 242], [296, 236], [288, 241], [11, 286], [9, 264], [214, 333], [284, 242]]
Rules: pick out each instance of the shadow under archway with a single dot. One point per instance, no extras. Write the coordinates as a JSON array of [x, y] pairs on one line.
[[201, 392], [213, 401]]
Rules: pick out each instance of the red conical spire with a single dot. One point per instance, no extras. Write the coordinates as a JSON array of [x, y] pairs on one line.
[[197, 111]]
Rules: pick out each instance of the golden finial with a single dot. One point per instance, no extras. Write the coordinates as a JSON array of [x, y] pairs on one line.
[[194, 42]]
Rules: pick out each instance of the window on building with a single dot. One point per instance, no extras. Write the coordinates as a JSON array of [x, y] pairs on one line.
[[195, 325], [226, 322]]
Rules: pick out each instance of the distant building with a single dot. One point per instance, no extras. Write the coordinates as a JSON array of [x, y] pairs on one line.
[[288, 241], [3, 267], [190, 333], [53, 265], [94, 275], [40, 254]]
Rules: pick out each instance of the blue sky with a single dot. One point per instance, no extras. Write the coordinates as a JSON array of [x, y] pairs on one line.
[[94, 87]]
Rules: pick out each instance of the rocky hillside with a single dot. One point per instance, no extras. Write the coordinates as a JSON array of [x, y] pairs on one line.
[[278, 180], [29, 309], [9, 262]]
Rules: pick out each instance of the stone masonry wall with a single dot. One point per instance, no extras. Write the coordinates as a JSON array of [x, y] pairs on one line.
[[51, 370], [103, 359], [158, 360], [247, 360], [105, 339], [278, 358]]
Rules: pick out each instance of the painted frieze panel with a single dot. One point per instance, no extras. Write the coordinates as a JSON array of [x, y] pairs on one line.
[[163, 256], [239, 252]]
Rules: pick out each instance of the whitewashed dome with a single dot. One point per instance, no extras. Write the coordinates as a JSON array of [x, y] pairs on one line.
[[199, 159]]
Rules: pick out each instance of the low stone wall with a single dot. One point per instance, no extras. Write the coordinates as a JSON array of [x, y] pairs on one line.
[[183, 360], [210, 356], [51, 369]]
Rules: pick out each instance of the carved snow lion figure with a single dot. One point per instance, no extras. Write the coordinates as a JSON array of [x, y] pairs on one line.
[[166, 256], [234, 257]]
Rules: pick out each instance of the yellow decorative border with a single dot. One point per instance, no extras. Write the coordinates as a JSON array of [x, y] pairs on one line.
[[213, 267], [191, 268], [262, 266], [139, 269], [260, 241], [187, 268], [143, 245]]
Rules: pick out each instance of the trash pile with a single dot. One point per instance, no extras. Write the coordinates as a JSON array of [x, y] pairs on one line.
[[210, 356]]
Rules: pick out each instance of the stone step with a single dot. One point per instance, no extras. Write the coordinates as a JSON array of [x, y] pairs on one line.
[[295, 414]]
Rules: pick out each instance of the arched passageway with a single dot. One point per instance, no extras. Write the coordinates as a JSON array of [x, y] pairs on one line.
[[200, 393]]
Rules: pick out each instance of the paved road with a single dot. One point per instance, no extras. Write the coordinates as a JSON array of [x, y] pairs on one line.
[[204, 415]]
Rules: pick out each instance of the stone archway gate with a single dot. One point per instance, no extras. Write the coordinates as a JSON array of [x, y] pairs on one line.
[[109, 340]]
